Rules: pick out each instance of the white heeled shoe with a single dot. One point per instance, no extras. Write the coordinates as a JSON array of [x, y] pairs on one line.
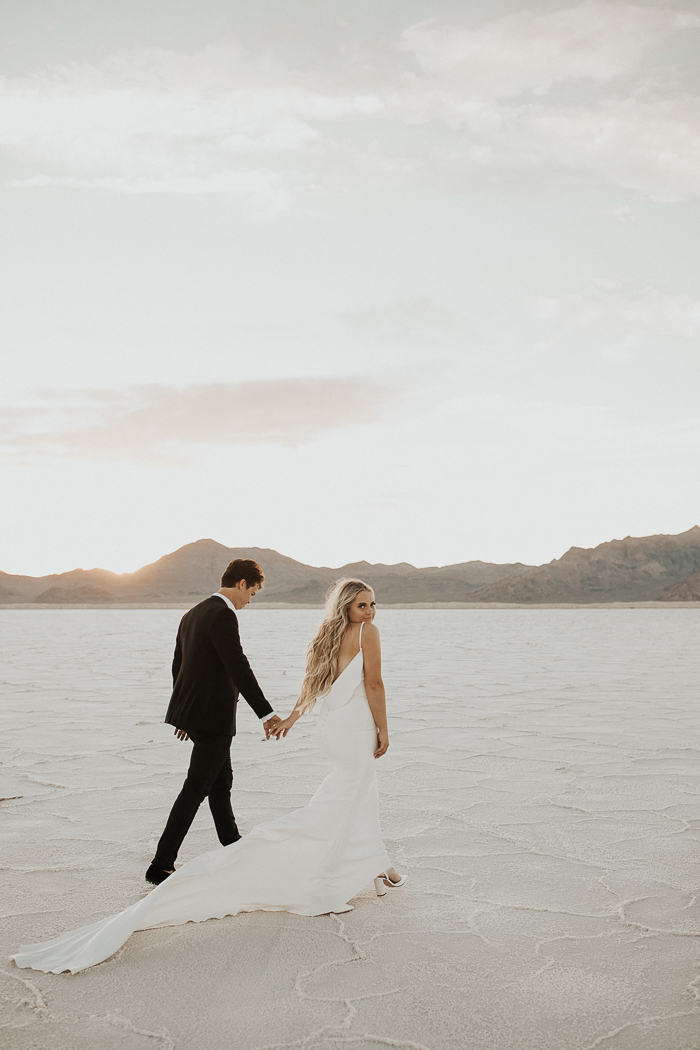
[[382, 881]]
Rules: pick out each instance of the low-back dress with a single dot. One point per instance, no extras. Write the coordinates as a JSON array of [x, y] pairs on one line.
[[309, 862]]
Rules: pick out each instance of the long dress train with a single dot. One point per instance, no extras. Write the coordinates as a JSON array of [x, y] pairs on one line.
[[310, 862]]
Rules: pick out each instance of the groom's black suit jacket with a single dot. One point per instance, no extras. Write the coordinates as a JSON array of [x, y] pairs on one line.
[[209, 670]]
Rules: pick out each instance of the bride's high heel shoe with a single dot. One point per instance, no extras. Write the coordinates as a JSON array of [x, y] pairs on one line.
[[383, 881]]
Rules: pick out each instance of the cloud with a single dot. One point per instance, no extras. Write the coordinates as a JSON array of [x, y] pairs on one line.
[[158, 121], [533, 51], [262, 186], [628, 348], [582, 95], [607, 310], [631, 349], [565, 96], [623, 213], [652, 149], [164, 424]]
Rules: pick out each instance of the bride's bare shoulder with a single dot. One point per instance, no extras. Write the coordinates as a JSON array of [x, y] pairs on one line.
[[370, 632]]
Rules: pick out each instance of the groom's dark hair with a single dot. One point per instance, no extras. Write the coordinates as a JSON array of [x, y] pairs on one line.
[[242, 569]]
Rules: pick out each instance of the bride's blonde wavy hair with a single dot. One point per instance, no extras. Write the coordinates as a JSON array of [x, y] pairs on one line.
[[322, 654]]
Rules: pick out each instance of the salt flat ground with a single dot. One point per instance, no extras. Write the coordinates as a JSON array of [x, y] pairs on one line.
[[542, 790]]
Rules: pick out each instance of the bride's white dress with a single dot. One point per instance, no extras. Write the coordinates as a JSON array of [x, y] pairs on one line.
[[309, 862]]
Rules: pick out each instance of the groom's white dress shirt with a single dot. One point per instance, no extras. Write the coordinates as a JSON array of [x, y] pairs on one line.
[[232, 607]]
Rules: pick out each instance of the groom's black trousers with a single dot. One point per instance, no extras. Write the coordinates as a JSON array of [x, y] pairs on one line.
[[210, 776]]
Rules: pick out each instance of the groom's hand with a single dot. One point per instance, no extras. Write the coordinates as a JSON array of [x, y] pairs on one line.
[[181, 734], [270, 725]]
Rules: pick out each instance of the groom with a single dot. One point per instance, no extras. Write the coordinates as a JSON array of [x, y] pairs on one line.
[[209, 670]]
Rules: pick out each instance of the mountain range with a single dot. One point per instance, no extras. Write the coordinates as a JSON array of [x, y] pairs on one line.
[[647, 568], [193, 571]]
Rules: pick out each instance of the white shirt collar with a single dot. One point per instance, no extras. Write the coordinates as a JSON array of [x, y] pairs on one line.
[[218, 594]]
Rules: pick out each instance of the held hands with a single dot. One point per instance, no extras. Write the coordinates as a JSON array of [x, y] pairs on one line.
[[282, 727], [270, 725], [382, 742]]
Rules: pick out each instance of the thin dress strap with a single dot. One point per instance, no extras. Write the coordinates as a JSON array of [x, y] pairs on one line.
[[361, 626]]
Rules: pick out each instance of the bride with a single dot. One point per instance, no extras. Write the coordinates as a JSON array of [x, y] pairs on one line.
[[311, 861]]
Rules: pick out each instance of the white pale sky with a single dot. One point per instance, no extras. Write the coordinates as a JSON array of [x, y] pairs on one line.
[[389, 279]]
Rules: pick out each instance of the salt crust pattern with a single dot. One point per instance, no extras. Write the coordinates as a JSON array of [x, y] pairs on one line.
[[542, 789]]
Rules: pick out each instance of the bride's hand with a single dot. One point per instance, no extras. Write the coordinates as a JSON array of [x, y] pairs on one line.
[[282, 728], [382, 742]]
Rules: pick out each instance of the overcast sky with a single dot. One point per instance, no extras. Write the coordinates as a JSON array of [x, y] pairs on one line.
[[388, 279]]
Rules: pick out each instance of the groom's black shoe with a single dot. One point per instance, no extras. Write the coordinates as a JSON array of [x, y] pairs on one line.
[[157, 875]]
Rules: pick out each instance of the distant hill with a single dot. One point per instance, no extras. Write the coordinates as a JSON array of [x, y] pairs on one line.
[[192, 572], [633, 569], [687, 590]]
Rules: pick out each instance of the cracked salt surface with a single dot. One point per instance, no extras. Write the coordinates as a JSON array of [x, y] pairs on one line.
[[542, 789]]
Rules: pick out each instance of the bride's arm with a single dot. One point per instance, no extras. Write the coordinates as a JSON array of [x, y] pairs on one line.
[[374, 685]]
